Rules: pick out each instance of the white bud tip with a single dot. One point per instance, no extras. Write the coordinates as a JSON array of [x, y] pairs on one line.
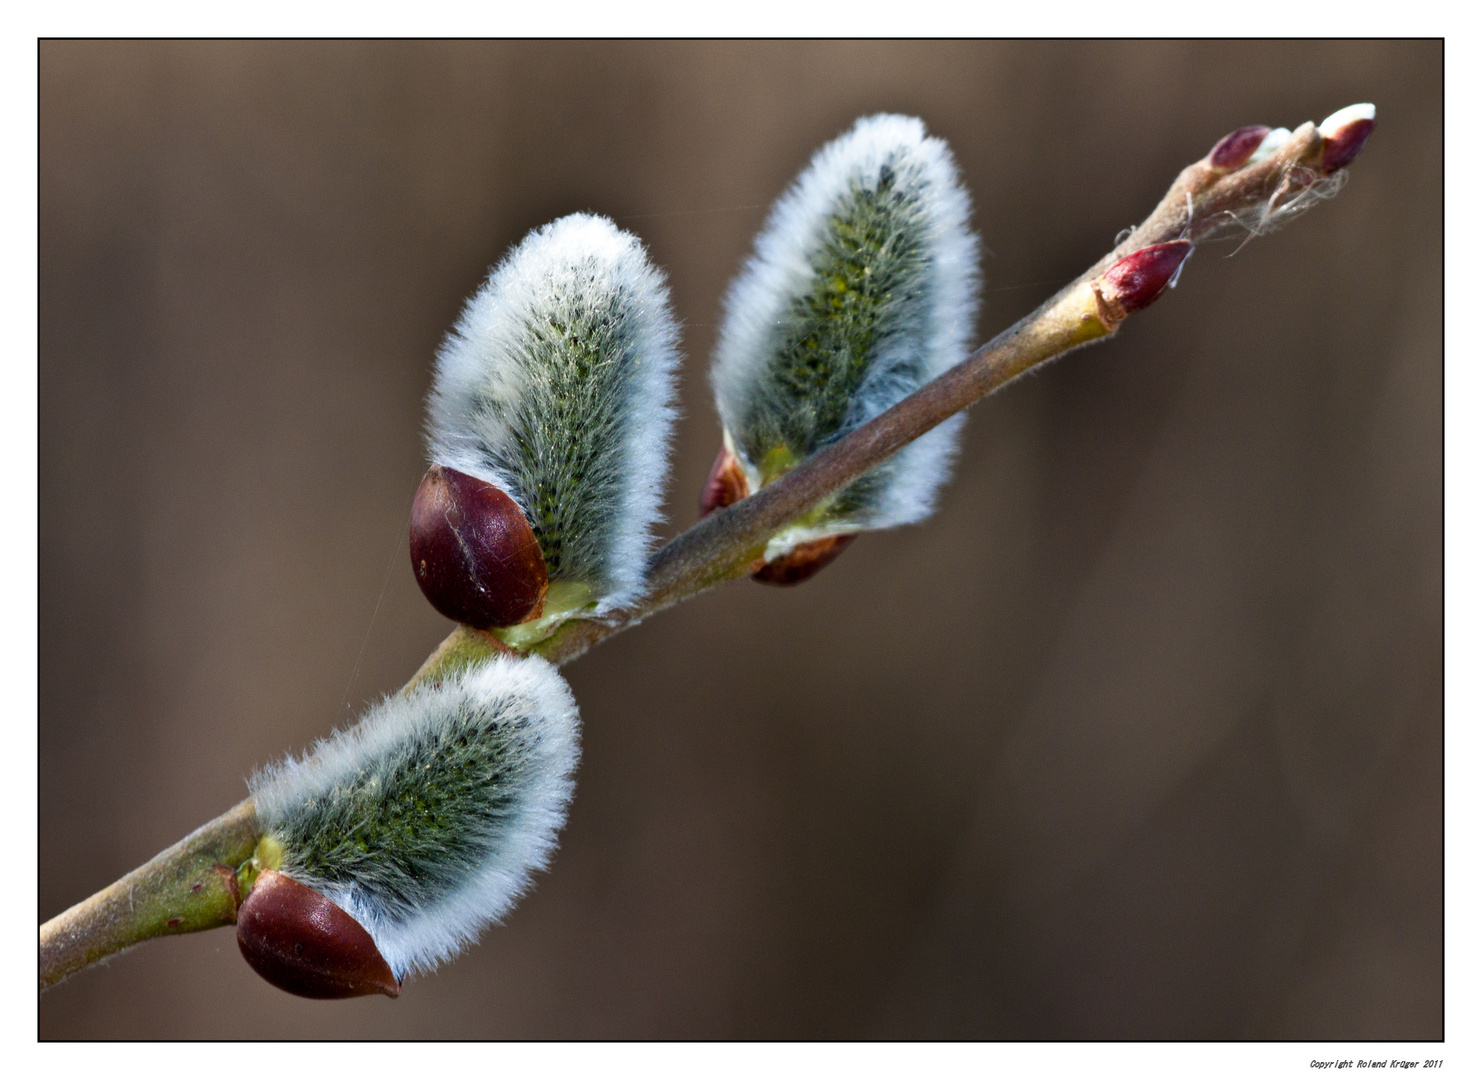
[[1275, 139], [1343, 117]]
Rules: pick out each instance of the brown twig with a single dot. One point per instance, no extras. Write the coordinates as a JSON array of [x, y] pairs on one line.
[[193, 885], [1203, 201]]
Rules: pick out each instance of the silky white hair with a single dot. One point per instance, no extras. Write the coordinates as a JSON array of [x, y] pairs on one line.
[[887, 178], [557, 385], [426, 819]]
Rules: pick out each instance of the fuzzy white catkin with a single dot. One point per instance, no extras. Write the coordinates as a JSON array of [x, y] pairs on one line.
[[557, 385], [903, 187], [426, 819]]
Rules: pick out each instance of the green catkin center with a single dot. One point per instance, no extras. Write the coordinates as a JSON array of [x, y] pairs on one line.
[[864, 301], [413, 826], [567, 431]]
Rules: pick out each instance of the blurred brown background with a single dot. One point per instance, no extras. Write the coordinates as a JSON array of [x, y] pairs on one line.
[[1140, 737]]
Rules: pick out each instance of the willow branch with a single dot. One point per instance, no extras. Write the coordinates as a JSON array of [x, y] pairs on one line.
[[1204, 201], [193, 885]]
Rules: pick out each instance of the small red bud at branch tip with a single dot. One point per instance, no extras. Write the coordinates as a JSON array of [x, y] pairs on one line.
[[1340, 150], [1236, 148], [302, 942], [1132, 283], [1344, 134], [473, 552]]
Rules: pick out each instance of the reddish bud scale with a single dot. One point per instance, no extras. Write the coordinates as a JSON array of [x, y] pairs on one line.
[[726, 484], [1236, 148], [473, 552], [1133, 283], [1344, 145], [803, 561], [302, 942]]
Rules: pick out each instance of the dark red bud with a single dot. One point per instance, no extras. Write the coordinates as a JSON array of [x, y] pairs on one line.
[[1133, 283], [301, 941], [473, 552], [727, 483], [1344, 145], [803, 561], [1235, 149]]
